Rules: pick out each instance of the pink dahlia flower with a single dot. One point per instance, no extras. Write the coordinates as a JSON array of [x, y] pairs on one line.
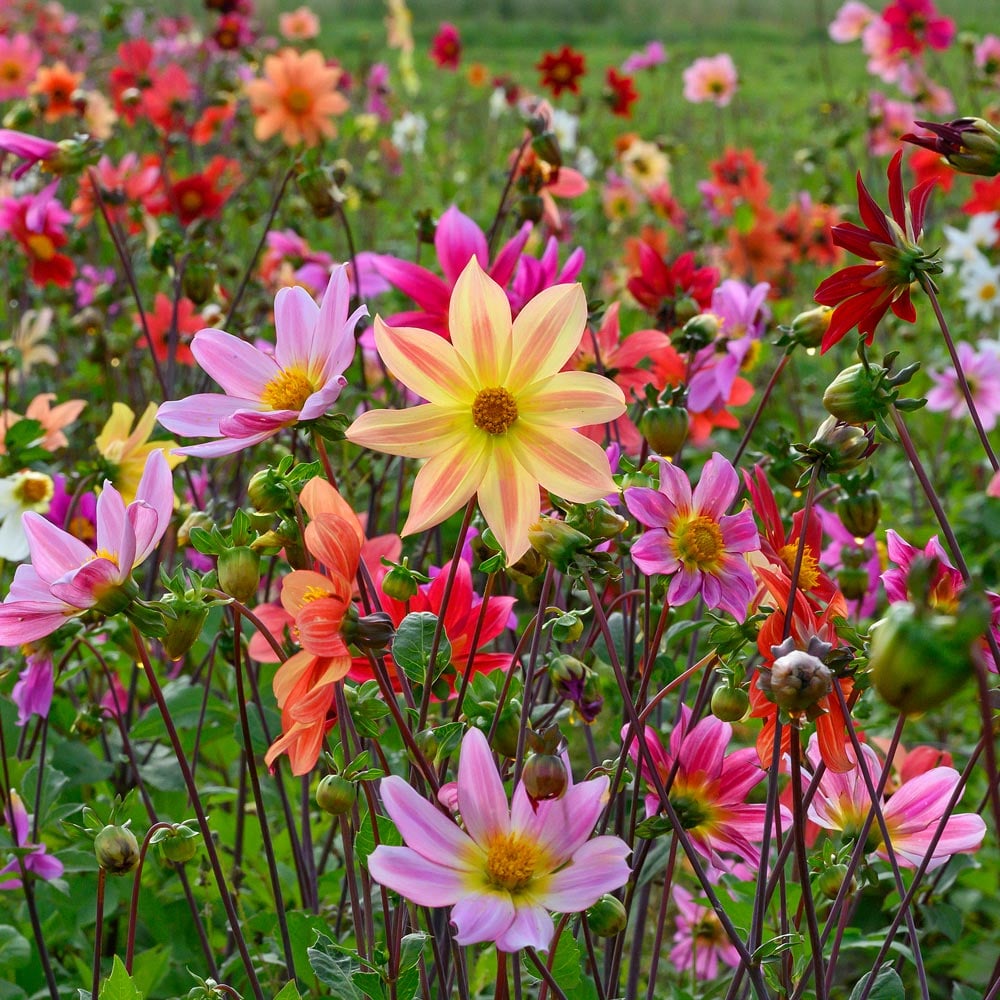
[[66, 577], [700, 940], [711, 78], [34, 857], [263, 394], [510, 865], [693, 539]]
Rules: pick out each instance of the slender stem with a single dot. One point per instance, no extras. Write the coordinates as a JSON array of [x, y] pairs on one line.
[[133, 910], [95, 981], [761, 403]]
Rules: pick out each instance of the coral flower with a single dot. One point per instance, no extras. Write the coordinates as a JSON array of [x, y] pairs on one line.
[[55, 86], [499, 417], [298, 25], [264, 393], [709, 789], [562, 70], [509, 866], [712, 78], [165, 317], [65, 576], [863, 293], [126, 449], [298, 98], [19, 59], [693, 539], [672, 292]]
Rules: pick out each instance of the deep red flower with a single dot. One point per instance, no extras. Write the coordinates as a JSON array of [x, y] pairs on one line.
[[562, 70], [199, 196], [864, 293], [620, 93], [662, 288], [914, 24], [927, 166], [446, 49], [38, 223]]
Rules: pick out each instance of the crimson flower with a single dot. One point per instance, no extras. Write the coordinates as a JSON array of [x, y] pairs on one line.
[[672, 292], [914, 24], [619, 92], [864, 293], [562, 70], [446, 49]]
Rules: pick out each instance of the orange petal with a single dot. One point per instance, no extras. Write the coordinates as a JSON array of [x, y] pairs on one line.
[[447, 481], [546, 332], [334, 543], [571, 399], [319, 497], [297, 583], [509, 500], [416, 432], [479, 322], [425, 363], [570, 465]]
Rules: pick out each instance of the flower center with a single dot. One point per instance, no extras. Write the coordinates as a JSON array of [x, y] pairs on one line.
[[698, 544], [34, 488], [511, 862], [708, 929], [192, 201], [988, 292], [311, 594], [10, 71], [105, 554], [42, 246], [494, 410], [287, 391], [298, 100], [808, 570], [82, 528], [690, 811]]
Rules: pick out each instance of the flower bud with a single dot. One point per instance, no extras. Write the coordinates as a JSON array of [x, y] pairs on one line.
[[840, 447], [372, 633], [546, 147], [730, 703], [853, 582], [184, 629], [860, 512], [196, 519], [318, 192], [179, 844], [809, 327], [116, 598], [557, 541], [829, 881], [699, 331], [89, 722], [116, 849], [239, 572], [607, 917], [268, 492], [665, 429], [970, 145], [199, 281], [598, 520], [401, 583], [855, 395], [508, 729], [544, 777], [797, 679], [530, 208], [567, 628], [336, 795]]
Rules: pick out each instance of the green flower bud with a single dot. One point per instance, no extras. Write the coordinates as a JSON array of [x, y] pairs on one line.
[[839, 447], [730, 704], [797, 679], [508, 729], [665, 429], [239, 572], [809, 327], [607, 917], [184, 630], [853, 582], [117, 849], [530, 208], [544, 777], [557, 541], [970, 145], [567, 628], [829, 881], [336, 795], [89, 722], [855, 395], [179, 844], [317, 189], [199, 281], [546, 147], [860, 512], [401, 583], [700, 329]]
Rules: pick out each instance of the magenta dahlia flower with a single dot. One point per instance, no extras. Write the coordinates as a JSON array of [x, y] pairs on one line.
[[263, 393], [510, 865], [693, 539]]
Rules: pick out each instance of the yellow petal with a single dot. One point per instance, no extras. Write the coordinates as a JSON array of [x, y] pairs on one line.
[[416, 432], [116, 429], [480, 324], [567, 463], [509, 500], [425, 363], [571, 399], [546, 332], [447, 481]]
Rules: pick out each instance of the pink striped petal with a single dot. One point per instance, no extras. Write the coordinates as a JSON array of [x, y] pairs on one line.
[[653, 553], [458, 240], [964, 832], [650, 507], [244, 423], [684, 586], [237, 366], [532, 928], [560, 827], [447, 481], [423, 286], [921, 800], [28, 621], [479, 322], [572, 399], [417, 879], [425, 363], [81, 589], [224, 446], [717, 487], [333, 339], [509, 500], [200, 415], [570, 465], [484, 916], [295, 320], [599, 866], [416, 432], [482, 800], [54, 552], [675, 485], [546, 332], [424, 828]]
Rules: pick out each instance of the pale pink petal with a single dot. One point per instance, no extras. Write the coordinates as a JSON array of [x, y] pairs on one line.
[[571, 399], [425, 828], [546, 332], [482, 916], [237, 366], [112, 522], [416, 432], [570, 465], [717, 487], [414, 877], [560, 826], [570, 183], [155, 493], [224, 446], [921, 800], [532, 928], [43, 864], [425, 363], [457, 240], [28, 621], [54, 552], [295, 316], [508, 498], [599, 866], [482, 800], [199, 415], [479, 322], [447, 482], [245, 423], [333, 339], [964, 832], [321, 400]]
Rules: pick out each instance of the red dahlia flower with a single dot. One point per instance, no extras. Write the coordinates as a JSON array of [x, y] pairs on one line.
[[562, 70]]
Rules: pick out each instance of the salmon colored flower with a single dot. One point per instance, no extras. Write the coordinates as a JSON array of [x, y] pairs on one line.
[[562, 70], [53, 419], [55, 86], [510, 865], [298, 25], [19, 60], [864, 293], [297, 98], [500, 413]]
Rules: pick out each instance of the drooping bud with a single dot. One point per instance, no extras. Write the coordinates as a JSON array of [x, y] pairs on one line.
[[507, 730], [336, 795], [699, 331], [317, 190], [116, 849], [839, 447], [557, 541], [860, 512], [665, 429], [268, 491], [184, 629], [544, 777], [809, 327], [607, 917], [797, 679], [239, 572], [970, 145], [730, 703], [199, 281]]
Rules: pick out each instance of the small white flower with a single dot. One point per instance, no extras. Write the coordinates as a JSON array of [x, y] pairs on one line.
[[564, 127], [23, 491], [498, 103], [587, 162], [965, 246], [409, 133], [979, 289]]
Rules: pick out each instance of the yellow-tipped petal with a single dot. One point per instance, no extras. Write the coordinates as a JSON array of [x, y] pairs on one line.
[[416, 432], [546, 332], [509, 500], [425, 363], [568, 464], [447, 481], [571, 399], [479, 322]]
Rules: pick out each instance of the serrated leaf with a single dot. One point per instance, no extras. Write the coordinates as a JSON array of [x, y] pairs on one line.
[[413, 643], [333, 967], [119, 985], [888, 986]]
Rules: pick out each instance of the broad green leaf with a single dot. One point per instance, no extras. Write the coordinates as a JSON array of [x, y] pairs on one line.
[[15, 949], [288, 992], [119, 985], [333, 966], [413, 643], [888, 986]]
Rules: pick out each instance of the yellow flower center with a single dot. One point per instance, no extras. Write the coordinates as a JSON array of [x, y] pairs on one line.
[[42, 246], [105, 554], [494, 410], [511, 862], [708, 929], [34, 487], [808, 571], [82, 528], [298, 100], [988, 292], [698, 544], [10, 71], [287, 391], [311, 594]]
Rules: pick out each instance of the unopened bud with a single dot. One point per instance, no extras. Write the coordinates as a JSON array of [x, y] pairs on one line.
[[730, 704], [607, 917], [267, 491], [239, 572], [698, 332], [797, 679], [557, 541], [860, 512], [199, 281], [184, 630], [544, 777], [840, 447], [970, 145], [336, 795], [317, 190], [665, 429], [116, 849], [809, 327]]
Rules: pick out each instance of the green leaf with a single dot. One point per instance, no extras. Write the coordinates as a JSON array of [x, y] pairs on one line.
[[333, 966], [412, 645], [960, 992], [288, 992], [888, 986], [364, 842], [407, 984], [119, 985], [370, 983], [410, 949], [15, 949]]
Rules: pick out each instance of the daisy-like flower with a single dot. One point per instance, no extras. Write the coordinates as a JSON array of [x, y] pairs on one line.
[[298, 25], [562, 70], [982, 372], [125, 447], [298, 98], [66, 578], [34, 857], [263, 394], [28, 340], [19, 59], [711, 78], [864, 293], [37, 222], [912, 813], [979, 288], [709, 789], [500, 413], [510, 865], [850, 21], [23, 491], [700, 941], [55, 86], [693, 539]]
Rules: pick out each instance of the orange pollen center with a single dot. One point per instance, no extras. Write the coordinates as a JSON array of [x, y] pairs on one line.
[[494, 410], [708, 929], [287, 391], [808, 571], [191, 201], [42, 246], [10, 71], [511, 862], [311, 594], [33, 488], [82, 528], [105, 554], [298, 100], [698, 543]]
